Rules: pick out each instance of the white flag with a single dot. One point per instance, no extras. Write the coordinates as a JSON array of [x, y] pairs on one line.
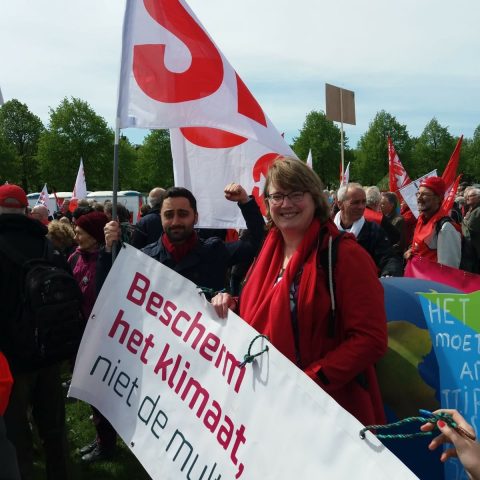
[[346, 175], [80, 188], [310, 159], [173, 75], [44, 199], [206, 159]]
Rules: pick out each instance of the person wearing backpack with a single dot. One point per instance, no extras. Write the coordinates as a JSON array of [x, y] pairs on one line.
[[471, 231], [37, 384], [325, 314], [435, 237]]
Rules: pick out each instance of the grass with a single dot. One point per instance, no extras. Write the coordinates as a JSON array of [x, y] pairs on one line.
[[80, 431]]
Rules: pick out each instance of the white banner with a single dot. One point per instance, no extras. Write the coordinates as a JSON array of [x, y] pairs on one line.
[[206, 160], [159, 364], [409, 192]]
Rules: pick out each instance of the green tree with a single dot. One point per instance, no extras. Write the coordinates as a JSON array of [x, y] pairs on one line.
[[127, 168], [8, 162], [22, 129], [154, 164], [432, 149], [470, 157], [371, 164], [322, 136], [76, 132]]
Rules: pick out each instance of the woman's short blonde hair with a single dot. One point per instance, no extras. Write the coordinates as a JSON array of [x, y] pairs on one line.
[[294, 175], [62, 232]]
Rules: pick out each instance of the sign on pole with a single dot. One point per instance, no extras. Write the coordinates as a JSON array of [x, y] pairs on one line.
[[340, 104], [164, 369], [340, 107]]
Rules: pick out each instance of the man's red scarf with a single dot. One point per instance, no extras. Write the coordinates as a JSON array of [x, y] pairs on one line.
[[265, 304], [179, 251]]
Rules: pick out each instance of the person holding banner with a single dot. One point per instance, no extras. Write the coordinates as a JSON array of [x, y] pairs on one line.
[[315, 293], [435, 237], [466, 449], [204, 262]]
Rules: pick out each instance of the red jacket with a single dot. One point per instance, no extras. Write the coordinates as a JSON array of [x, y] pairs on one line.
[[348, 360], [343, 364]]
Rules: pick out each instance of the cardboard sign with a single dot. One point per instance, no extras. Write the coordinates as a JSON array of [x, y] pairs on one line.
[[164, 370]]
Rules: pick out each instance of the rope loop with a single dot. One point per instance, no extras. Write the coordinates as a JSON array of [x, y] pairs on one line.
[[248, 357], [426, 417]]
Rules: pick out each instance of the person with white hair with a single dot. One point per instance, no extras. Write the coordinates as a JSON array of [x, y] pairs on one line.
[[352, 201], [471, 231], [40, 213], [149, 229]]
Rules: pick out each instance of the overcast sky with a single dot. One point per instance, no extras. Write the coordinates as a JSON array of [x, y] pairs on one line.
[[416, 59]]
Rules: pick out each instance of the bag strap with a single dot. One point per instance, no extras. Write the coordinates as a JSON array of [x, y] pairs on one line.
[[328, 261]]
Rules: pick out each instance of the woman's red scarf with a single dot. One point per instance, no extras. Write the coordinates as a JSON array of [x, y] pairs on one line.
[[265, 304], [181, 250]]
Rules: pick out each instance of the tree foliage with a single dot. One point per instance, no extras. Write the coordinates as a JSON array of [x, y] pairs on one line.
[[20, 130], [8, 162], [76, 132], [154, 163], [322, 136], [432, 149], [470, 157], [372, 153]]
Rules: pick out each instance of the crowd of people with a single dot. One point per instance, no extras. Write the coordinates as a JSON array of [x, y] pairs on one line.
[[312, 287]]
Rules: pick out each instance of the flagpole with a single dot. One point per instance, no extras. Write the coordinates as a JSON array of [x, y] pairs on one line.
[[115, 180], [341, 134]]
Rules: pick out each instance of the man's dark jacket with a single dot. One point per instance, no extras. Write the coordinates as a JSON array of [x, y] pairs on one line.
[[375, 241], [148, 229], [28, 237], [206, 265]]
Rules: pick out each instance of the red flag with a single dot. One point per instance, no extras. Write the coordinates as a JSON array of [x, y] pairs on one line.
[[398, 176], [450, 171], [450, 197]]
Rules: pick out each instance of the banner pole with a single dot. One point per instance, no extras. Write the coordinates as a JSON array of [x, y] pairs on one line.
[[115, 180], [341, 135]]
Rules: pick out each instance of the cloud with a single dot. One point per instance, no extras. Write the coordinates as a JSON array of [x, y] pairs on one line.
[[416, 60]]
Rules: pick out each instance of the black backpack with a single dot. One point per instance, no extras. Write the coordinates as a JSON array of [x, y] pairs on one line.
[[48, 324]]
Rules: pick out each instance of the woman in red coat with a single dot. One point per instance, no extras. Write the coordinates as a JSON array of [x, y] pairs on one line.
[[332, 327]]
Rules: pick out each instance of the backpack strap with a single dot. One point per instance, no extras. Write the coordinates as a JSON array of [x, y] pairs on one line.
[[441, 222], [328, 261]]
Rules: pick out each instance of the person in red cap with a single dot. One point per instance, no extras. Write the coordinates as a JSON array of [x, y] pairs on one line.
[[435, 237], [37, 390]]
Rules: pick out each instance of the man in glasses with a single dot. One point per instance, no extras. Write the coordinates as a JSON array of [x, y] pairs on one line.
[[435, 236]]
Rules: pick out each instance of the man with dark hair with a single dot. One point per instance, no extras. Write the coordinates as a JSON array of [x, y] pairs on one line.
[[37, 387], [149, 228], [435, 237], [204, 262]]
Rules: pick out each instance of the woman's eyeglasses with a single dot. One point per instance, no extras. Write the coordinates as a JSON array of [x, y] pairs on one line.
[[278, 198]]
